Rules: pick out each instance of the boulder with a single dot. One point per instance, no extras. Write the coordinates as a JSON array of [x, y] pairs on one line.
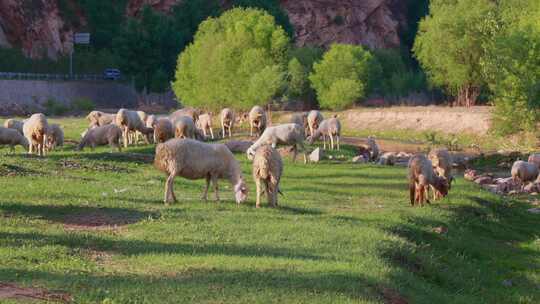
[[360, 159], [483, 180], [317, 155]]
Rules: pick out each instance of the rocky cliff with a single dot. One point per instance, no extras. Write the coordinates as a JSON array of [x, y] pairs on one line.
[[38, 28]]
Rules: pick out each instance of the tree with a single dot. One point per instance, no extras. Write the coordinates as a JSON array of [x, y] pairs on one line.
[[449, 46], [236, 60], [298, 82], [273, 8], [344, 67]]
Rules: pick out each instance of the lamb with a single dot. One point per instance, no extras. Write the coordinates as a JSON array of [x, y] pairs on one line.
[[329, 127], [267, 170], [128, 121], [535, 159], [191, 112], [227, 121], [314, 119], [373, 148], [98, 118], [55, 137], [205, 124], [301, 119], [442, 163], [163, 130], [524, 171], [257, 120], [35, 130], [14, 124], [421, 177], [12, 137], [286, 134], [108, 134], [193, 160]]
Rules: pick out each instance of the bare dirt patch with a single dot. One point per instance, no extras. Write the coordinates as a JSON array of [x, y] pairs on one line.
[[391, 296], [102, 167], [14, 170], [99, 220], [12, 291]]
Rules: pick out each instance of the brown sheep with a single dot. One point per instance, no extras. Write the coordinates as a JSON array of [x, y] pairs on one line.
[[442, 164], [421, 177], [267, 170], [163, 130]]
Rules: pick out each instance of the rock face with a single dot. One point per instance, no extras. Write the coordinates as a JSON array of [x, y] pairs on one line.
[[134, 7], [374, 23], [34, 26]]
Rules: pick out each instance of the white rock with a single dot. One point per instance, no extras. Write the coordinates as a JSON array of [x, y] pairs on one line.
[[359, 159], [317, 155]]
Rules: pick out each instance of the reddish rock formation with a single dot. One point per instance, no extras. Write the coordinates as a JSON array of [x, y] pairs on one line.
[[135, 6]]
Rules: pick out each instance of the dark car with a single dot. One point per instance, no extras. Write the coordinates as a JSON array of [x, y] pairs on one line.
[[111, 74]]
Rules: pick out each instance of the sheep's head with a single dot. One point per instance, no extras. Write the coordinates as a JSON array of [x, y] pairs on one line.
[[442, 185], [240, 191]]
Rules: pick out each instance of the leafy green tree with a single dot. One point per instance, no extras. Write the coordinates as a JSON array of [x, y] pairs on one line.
[[273, 8], [344, 62], [105, 20], [449, 46], [298, 81], [236, 60]]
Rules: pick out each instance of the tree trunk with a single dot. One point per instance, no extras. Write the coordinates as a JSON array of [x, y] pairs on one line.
[[467, 96]]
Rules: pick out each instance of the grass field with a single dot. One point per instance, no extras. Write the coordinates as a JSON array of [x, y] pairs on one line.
[[93, 224]]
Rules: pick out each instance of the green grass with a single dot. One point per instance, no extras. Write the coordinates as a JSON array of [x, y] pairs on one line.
[[344, 233]]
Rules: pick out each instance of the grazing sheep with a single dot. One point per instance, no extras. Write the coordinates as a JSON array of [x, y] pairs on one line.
[[535, 159], [238, 146], [205, 124], [14, 124], [329, 127], [98, 118], [108, 134], [267, 170], [130, 121], [191, 112], [227, 121], [184, 127], [191, 159], [257, 120], [12, 137], [524, 171], [163, 130], [55, 137], [442, 163], [301, 119], [373, 148], [35, 130], [421, 177], [314, 119], [144, 118], [286, 134]]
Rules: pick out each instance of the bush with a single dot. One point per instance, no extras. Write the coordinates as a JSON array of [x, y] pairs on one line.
[[344, 67], [83, 105], [55, 108]]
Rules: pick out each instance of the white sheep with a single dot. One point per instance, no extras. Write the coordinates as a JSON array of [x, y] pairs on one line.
[[227, 121], [191, 112], [524, 171], [267, 170], [163, 130], [35, 130], [421, 176], [314, 119], [108, 134], [12, 137], [184, 127], [144, 118], [442, 163], [129, 121], [55, 137], [205, 124], [257, 120], [98, 118], [535, 159], [14, 124], [329, 127], [373, 148], [192, 159], [285, 134]]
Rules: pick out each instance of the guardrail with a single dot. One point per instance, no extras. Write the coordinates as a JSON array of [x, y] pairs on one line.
[[40, 76]]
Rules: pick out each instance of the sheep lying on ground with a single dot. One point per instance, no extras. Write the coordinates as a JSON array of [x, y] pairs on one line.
[[286, 134], [524, 171], [55, 137], [108, 134], [129, 121], [35, 130], [257, 120], [227, 121], [14, 124], [442, 164], [421, 177], [12, 137], [535, 159], [373, 148], [196, 160], [98, 118], [267, 170], [163, 130], [301, 119], [205, 124], [314, 119], [191, 112], [329, 127]]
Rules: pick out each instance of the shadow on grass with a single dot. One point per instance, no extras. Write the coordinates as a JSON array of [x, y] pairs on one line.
[[299, 211]]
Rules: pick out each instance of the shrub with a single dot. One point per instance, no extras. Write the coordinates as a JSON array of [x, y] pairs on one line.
[[83, 105], [342, 94], [55, 108]]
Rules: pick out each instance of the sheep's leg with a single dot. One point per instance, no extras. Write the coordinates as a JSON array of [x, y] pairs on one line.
[[332, 141], [211, 133], [259, 192], [205, 193], [223, 130], [216, 187], [337, 139], [169, 193], [295, 152], [426, 194], [230, 131], [125, 137], [412, 193]]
